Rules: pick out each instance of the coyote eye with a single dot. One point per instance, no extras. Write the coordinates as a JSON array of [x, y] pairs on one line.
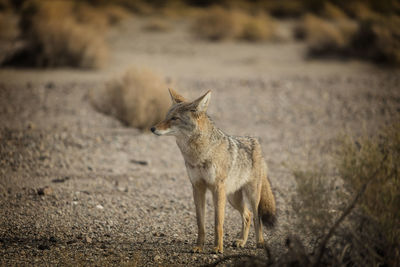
[[174, 118]]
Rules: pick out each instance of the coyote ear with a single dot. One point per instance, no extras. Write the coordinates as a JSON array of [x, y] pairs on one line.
[[175, 97], [201, 104]]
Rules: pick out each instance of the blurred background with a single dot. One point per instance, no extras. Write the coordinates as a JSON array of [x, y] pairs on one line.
[[83, 181]]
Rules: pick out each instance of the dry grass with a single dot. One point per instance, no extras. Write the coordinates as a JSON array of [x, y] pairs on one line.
[[370, 235], [222, 24], [314, 201], [158, 25], [357, 160], [139, 98]]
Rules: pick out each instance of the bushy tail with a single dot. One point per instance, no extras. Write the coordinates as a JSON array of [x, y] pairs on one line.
[[266, 207]]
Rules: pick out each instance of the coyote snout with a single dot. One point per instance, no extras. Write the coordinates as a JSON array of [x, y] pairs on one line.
[[232, 168]]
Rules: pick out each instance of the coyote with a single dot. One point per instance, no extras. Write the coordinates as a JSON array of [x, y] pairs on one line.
[[230, 167]]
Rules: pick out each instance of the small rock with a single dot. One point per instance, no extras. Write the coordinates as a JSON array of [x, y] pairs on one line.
[[100, 207], [45, 191], [43, 247], [88, 239], [157, 258]]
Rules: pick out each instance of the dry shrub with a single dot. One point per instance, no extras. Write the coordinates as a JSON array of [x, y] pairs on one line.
[[157, 25], [326, 36], [285, 8], [379, 155], [370, 234], [5, 5], [139, 98], [361, 11], [258, 28], [332, 12], [217, 24], [8, 26], [115, 14], [56, 37], [378, 40], [314, 201], [65, 43], [220, 24], [91, 16]]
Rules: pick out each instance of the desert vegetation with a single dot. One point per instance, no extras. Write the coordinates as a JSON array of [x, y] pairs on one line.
[[139, 98], [369, 197], [354, 31], [222, 24], [63, 33]]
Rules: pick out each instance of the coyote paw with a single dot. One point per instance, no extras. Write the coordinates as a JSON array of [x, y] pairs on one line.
[[197, 249], [218, 250], [260, 244], [239, 243]]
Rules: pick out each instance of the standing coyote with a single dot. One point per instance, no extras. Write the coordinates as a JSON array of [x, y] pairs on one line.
[[230, 167]]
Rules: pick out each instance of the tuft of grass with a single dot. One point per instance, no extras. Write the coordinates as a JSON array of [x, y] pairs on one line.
[[138, 99]]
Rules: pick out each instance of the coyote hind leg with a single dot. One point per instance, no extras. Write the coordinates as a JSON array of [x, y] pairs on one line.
[[237, 201]]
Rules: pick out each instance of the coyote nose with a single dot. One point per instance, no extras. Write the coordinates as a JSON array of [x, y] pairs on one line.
[[152, 129]]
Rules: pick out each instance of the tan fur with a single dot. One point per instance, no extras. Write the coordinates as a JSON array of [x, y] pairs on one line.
[[230, 167]]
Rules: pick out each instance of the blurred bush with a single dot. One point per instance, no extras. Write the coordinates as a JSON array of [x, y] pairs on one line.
[[8, 26], [56, 37], [221, 24], [362, 34], [64, 33], [139, 98]]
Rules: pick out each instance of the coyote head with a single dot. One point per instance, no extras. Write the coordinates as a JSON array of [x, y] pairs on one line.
[[183, 118]]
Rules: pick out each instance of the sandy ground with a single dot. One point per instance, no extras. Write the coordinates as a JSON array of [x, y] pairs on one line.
[[117, 195]]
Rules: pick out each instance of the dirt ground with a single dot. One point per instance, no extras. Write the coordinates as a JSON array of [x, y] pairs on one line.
[[77, 187]]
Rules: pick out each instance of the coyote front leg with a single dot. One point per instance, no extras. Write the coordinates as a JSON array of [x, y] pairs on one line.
[[219, 198], [199, 195]]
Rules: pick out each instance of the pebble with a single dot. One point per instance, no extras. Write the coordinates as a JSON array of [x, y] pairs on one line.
[[100, 207], [157, 258], [45, 191]]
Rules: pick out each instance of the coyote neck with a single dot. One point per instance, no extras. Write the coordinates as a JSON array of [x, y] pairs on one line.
[[198, 146]]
